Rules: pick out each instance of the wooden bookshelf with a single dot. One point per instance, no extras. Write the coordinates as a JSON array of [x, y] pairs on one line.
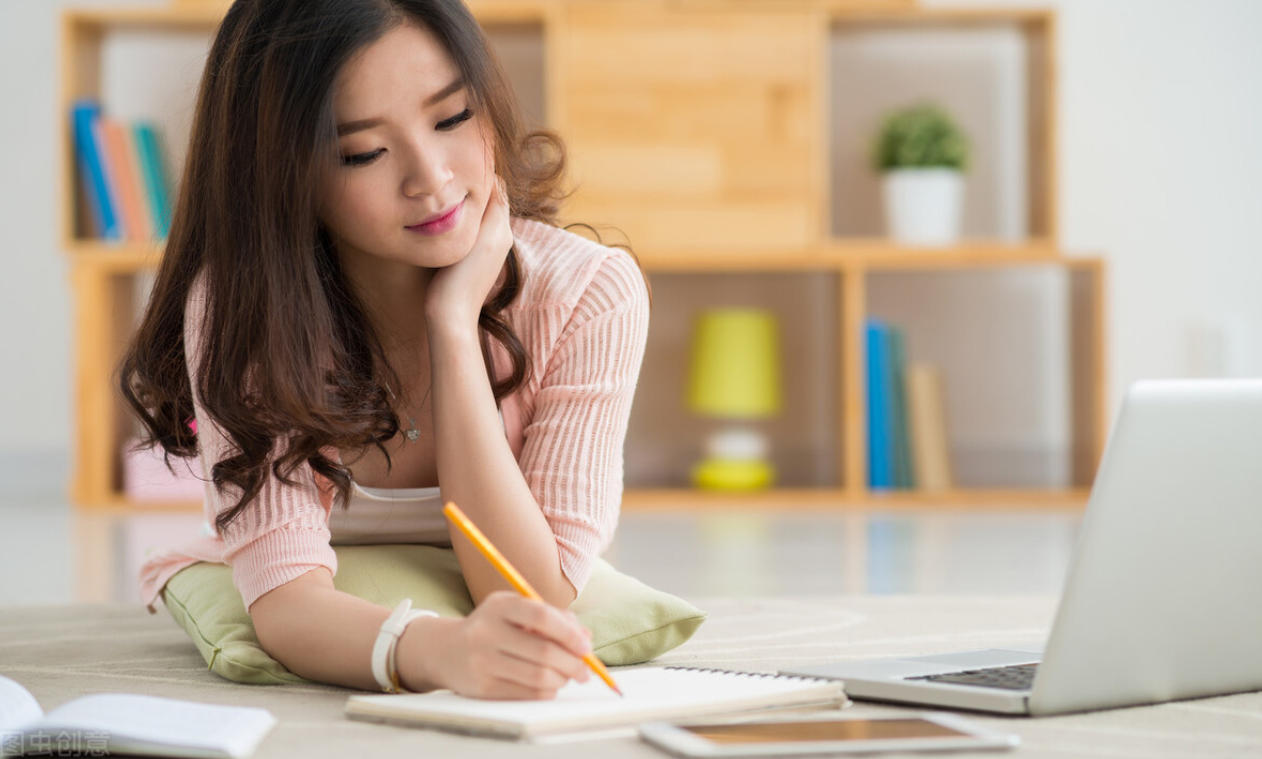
[[713, 156]]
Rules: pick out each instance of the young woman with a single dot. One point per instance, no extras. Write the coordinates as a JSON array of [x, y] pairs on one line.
[[363, 297]]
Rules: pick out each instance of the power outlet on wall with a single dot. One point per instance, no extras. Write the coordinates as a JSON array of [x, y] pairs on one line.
[[1218, 347]]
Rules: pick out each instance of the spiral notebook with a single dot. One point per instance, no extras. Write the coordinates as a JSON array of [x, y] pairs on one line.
[[651, 694]]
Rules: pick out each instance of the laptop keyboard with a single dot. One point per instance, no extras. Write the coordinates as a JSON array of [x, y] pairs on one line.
[[1016, 677]]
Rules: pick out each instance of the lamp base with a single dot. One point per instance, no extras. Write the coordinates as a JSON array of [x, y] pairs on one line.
[[733, 474]]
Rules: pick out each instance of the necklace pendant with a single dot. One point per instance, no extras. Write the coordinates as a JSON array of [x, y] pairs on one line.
[[413, 435]]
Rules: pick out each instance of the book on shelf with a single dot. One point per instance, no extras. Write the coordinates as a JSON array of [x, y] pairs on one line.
[[880, 423], [121, 156], [94, 190], [122, 176], [153, 167], [889, 447], [125, 723], [651, 693], [904, 478], [907, 422], [926, 402]]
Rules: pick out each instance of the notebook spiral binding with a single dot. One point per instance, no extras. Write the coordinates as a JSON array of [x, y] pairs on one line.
[[740, 673]]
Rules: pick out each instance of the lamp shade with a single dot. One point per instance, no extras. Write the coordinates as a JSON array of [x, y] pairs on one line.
[[735, 364]]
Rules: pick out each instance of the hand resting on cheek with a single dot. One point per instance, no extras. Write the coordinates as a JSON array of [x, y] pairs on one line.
[[456, 293]]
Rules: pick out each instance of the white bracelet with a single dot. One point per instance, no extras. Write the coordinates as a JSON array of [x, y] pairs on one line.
[[384, 669]]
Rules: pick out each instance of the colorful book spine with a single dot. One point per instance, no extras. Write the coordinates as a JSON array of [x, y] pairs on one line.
[[122, 156], [85, 118], [904, 473], [880, 438], [154, 171], [109, 168], [926, 401]]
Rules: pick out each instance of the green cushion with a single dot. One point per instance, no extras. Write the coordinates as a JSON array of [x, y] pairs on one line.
[[630, 622]]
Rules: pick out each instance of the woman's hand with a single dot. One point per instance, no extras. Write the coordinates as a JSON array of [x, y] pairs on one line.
[[510, 647], [457, 292]]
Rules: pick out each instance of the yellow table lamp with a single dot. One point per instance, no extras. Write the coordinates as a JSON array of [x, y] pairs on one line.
[[735, 376]]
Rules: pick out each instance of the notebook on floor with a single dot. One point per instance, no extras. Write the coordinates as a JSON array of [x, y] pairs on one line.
[[650, 693], [1161, 601]]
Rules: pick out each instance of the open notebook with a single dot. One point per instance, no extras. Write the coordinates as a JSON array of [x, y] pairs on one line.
[[652, 693]]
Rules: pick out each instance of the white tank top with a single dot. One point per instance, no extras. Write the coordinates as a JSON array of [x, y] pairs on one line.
[[379, 516], [383, 515]]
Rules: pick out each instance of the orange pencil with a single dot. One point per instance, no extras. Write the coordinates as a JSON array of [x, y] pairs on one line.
[[501, 564]]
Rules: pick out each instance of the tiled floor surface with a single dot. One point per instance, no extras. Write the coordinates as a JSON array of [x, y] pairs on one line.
[[53, 554]]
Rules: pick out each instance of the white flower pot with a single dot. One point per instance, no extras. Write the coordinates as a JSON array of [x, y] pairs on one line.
[[924, 206]]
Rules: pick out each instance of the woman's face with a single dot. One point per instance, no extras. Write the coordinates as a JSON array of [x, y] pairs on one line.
[[414, 170]]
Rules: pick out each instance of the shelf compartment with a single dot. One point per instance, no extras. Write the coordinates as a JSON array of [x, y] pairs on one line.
[[993, 72], [665, 438], [167, 47], [1021, 361]]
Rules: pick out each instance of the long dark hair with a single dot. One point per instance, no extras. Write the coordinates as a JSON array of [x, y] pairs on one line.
[[289, 363]]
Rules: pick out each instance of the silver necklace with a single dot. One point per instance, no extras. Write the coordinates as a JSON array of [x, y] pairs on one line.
[[412, 433]]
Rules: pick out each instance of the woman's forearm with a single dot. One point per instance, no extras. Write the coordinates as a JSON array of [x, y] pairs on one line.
[[509, 647], [321, 633], [477, 470]]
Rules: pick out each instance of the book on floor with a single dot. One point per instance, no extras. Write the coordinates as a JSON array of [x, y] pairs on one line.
[[124, 723], [651, 694]]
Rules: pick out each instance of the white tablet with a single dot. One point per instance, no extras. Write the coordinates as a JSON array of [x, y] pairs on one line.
[[846, 734]]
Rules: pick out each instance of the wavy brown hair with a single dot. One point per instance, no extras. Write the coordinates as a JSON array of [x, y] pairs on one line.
[[289, 362]]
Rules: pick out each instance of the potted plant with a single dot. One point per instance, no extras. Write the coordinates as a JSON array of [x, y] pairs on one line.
[[922, 154]]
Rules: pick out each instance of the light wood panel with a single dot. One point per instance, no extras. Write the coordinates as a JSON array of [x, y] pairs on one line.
[[824, 499], [691, 128], [104, 308], [1088, 376]]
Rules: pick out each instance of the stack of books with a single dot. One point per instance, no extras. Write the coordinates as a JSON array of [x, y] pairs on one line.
[[907, 427], [123, 181]]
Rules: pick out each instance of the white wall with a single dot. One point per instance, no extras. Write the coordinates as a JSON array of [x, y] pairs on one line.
[[1160, 157], [1160, 172], [36, 385]]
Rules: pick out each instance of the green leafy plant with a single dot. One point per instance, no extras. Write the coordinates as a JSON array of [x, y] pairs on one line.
[[920, 137]]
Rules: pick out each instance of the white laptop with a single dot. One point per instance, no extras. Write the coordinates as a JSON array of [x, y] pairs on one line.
[[1164, 595]]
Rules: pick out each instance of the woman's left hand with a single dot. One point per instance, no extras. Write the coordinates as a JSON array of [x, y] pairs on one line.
[[457, 292]]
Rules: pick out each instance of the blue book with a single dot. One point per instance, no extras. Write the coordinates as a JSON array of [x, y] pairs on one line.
[[85, 114], [154, 177], [880, 430]]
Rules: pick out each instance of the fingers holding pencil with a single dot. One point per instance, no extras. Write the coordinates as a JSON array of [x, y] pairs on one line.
[[512, 647], [546, 638], [506, 569]]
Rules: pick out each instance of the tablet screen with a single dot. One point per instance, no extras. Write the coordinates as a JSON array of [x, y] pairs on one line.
[[824, 730]]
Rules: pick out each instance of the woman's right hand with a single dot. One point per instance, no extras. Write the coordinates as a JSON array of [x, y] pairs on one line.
[[509, 647]]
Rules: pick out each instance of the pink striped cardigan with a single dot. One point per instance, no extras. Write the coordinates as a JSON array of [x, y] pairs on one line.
[[583, 318]]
